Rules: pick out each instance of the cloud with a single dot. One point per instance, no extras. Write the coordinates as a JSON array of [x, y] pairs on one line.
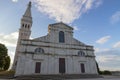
[[115, 17], [9, 40], [103, 39], [98, 3], [97, 50], [11, 54], [75, 28], [65, 10], [109, 62], [14, 0], [116, 45], [108, 59]]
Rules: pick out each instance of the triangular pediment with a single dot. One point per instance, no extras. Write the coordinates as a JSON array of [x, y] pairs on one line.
[[61, 25]]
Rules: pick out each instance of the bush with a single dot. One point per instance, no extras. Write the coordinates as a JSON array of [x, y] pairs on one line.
[[105, 72]]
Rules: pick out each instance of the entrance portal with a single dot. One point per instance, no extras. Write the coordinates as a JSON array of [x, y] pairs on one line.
[[37, 67], [82, 68], [61, 65]]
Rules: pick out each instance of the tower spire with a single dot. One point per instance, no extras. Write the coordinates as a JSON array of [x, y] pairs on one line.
[[28, 10]]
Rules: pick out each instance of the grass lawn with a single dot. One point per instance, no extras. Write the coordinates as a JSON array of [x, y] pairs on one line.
[[6, 74]]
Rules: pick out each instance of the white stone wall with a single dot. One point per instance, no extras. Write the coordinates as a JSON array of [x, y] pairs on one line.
[[53, 50], [50, 64]]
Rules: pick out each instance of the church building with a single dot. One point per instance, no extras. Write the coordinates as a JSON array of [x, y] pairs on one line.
[[56, 53]]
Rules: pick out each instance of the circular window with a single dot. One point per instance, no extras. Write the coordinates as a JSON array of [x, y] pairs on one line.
[[39, 50], [81, 53]]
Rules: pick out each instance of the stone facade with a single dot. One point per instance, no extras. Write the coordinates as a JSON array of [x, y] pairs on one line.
[[56, 53]]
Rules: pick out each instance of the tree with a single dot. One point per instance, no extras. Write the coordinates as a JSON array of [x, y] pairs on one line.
[[106, 72], [7, 63], [4, 58]]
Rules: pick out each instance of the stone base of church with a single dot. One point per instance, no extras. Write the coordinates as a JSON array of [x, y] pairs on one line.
[[58, 76], [46, 64]]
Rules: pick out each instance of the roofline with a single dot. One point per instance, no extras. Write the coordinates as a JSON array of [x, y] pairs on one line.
[[62, 23]]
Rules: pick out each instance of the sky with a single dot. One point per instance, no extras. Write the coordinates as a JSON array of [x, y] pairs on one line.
[[95, 22]]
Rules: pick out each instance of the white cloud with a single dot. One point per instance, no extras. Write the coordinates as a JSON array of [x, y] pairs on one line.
[[9, 40], [97, 50], [75, 28], [103, 39], [14, 0], [65, 10], [11, 54], [109, 59], [116, 45], [109, 62], [115, 17], [98, 3]]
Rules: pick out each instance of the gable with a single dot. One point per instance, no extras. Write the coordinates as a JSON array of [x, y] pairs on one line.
[[61, 25]]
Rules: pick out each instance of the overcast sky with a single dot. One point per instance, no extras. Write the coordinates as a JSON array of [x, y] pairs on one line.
[[95, 22]]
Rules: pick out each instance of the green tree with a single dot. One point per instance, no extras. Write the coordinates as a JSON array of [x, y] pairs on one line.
[[7, 63], [4, 58], [106, 72]]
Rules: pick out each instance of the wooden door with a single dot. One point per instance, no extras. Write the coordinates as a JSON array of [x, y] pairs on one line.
[[82, 68], [37, 67], [61, 65]]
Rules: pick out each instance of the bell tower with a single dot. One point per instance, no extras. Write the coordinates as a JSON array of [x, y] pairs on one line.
[[26, 23], [24, 31]]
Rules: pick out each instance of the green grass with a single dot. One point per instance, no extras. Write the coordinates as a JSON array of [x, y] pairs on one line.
[[7, 74]]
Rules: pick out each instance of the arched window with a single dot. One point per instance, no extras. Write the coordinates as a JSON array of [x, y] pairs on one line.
[[25, 25], [81, 53], [39, 50], [28, 26], [22, 25], [61, 37]]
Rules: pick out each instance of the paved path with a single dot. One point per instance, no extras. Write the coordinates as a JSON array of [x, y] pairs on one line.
[[77, 79], [80, 79], [105, 78], [94, 79]]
